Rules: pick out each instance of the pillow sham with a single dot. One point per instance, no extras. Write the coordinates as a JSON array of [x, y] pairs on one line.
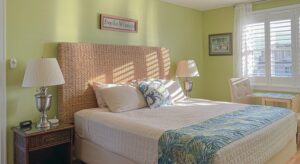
[[155, 93], [97, 87], [122, 98], [175, 90]]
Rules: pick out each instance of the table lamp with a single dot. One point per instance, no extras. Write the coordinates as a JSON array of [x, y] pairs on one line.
[[42, 73], [187, 69]]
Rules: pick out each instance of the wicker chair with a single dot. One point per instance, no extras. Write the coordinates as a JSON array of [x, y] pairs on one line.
[[240, 90], [240, 93]]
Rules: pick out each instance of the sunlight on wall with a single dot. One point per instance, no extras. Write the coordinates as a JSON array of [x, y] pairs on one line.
[[166, 61], [123, 73], [100, 78], [152, 65]]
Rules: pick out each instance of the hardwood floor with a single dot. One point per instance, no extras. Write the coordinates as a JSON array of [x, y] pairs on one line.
[[295, 159]]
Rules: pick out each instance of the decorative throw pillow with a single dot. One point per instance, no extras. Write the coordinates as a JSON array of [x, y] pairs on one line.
[[122, 98], [155, 93]]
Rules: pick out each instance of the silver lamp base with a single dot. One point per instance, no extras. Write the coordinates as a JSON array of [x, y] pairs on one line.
[[43, 123], [188, 87], [43, 104]]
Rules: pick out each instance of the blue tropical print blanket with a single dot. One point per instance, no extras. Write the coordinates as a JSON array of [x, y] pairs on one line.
[[198, 143]]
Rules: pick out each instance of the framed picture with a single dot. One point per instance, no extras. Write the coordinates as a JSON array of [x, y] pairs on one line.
[[220, 44], [115, 23]]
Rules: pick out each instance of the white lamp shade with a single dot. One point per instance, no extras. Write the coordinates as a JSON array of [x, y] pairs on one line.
[[43, 72], [187, 68]]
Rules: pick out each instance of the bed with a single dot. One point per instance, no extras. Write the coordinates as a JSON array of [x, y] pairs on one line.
[[136, 136]]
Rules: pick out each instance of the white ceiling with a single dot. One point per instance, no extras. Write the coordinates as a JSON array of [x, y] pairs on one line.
[[207, 4]]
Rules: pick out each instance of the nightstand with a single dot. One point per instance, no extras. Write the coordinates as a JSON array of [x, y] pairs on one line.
[[36, 146]]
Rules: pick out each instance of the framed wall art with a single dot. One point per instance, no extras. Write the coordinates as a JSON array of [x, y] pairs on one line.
[[220, 44], [116, 23]]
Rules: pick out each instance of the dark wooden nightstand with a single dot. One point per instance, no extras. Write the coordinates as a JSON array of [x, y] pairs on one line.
[[35, 146]]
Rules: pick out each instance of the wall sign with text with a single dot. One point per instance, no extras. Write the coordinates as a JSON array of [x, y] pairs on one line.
[[115, 23]]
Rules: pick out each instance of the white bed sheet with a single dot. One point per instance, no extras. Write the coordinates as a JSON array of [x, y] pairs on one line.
[[135, 134]]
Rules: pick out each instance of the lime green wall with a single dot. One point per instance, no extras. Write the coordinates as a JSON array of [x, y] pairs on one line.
[[274, 3], [34, 27], [218, 69]]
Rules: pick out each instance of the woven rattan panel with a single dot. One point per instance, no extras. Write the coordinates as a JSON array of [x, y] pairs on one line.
[[83, 63]]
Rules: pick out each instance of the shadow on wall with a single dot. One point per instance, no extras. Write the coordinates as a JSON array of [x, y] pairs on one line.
[[83, 63]]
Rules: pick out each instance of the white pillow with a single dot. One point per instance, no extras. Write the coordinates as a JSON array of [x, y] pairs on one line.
[[174, 89], [122, 98], [97, 86]]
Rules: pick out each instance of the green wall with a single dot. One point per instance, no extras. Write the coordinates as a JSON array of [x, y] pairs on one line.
[[274, 3], [219, 69], [34, 27]]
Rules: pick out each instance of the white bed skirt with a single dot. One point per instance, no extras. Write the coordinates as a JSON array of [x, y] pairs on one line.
[[91, 153]]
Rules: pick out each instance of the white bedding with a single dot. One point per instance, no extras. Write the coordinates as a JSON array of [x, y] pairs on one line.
[[135, 134]]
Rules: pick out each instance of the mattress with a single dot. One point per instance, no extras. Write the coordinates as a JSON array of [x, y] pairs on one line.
[[135, 134]]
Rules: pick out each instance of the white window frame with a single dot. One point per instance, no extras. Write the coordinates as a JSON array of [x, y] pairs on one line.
[[2, 84], [268, 15]]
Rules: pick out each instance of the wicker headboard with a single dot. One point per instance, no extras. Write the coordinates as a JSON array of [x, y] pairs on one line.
[[82, 63]]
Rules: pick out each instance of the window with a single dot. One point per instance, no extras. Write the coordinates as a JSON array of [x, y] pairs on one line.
[[281, 48], [254, 48], [271, 48]]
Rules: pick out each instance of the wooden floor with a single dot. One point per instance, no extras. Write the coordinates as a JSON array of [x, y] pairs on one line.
[[295, 159]]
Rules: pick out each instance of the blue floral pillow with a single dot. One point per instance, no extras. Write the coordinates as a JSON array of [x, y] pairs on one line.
[[155, 93]]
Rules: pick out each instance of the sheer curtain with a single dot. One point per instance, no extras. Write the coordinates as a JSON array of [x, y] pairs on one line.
[[241, 17]]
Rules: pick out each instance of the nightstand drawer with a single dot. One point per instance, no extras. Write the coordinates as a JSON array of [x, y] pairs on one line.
[[53, 145], [49, 139]]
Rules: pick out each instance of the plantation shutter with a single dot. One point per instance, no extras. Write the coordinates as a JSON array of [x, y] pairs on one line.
[[281, 48], [270, 51], [254, 50]]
